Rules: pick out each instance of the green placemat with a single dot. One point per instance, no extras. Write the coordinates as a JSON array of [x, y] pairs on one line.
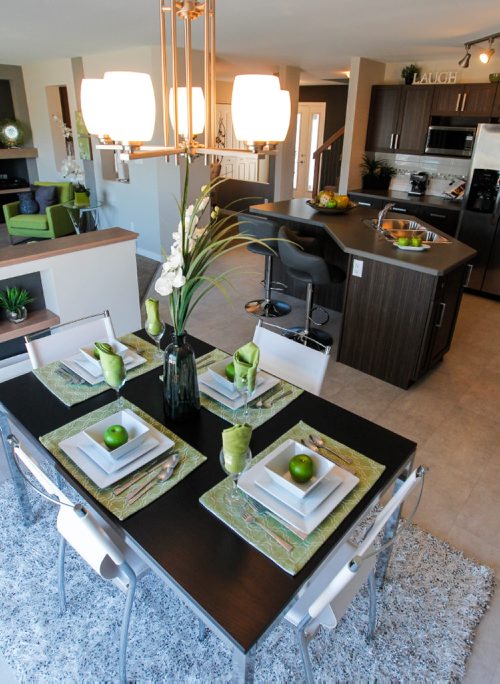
[[256, 416], [292, 561], [74, 394], [189, 459]]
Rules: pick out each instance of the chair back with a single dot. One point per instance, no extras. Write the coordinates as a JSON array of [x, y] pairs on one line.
[[300, 263], [333, 601], [290, 360], [64, 340], [78, 526]]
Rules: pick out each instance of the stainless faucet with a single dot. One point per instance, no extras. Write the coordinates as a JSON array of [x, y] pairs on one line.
[[383, 213]]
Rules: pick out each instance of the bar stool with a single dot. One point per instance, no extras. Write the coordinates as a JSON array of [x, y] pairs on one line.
[[264, 230], [313, 270]]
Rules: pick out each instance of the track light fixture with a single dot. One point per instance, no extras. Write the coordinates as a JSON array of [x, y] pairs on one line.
[[485, 54]]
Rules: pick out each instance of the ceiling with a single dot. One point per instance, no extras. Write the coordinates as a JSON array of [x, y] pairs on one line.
[[319, 37]]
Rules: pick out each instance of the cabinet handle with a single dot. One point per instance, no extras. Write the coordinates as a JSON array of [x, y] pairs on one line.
[[365, 204], [470, 268], [443, 216], [441, 314], [396, 142], [392, 140], [457, 108], [463, 102], [400, 209]]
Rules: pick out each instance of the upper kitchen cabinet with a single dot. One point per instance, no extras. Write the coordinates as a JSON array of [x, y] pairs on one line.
[[472, 99], [399, 117]]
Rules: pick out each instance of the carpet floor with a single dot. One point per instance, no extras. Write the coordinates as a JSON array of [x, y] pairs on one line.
[[431, 603]]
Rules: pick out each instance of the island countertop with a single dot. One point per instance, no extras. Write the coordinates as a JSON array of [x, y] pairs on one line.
[[356, 238]]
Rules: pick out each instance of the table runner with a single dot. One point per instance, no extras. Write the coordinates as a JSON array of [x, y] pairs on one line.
[[256, 416], [292, 562], [74, 394], [189, 459]]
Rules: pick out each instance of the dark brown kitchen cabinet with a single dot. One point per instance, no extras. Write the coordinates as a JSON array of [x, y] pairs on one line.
[[468, 99], [442, 219], [496, 103], [365, 201], [399, 117], [398, 322]]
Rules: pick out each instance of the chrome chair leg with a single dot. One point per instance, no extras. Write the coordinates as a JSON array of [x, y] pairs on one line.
[[60, 575], [372, 611], [267, 307], [303, 641], [300, 334], [202, 631], [122, 668]]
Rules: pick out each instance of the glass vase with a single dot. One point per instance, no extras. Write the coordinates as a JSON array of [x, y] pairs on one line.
[[180, 380]]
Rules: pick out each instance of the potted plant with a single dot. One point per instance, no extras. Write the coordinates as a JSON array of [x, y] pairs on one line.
[[14, 301], [82, 195], [408, 72], [376, 174]]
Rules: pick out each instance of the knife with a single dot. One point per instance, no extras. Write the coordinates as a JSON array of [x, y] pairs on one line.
[[138, 476], [153, 479]]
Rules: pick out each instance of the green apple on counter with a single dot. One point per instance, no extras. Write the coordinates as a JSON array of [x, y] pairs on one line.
[[403, 241], [301, 468], [115, 436], [416, 242]]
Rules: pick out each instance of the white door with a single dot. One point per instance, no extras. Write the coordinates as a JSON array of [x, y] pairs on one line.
[[310, 134]]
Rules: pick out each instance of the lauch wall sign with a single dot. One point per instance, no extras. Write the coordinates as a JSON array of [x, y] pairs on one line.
[[435, 77]]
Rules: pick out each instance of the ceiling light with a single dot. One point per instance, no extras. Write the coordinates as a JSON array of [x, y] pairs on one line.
[[132, 101], [486, 55], [464, 62]]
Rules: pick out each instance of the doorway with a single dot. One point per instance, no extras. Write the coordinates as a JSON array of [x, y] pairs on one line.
[[309, 136]]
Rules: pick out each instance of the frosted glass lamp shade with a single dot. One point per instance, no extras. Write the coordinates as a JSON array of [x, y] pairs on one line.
[[198, 107], [131, 100], [260, 109], [95, 106]]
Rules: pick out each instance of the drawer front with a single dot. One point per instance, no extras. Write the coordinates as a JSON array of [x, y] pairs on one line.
[[364, 201], [441, 219]]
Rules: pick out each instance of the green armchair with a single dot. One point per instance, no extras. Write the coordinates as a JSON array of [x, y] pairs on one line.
[[54, 223]]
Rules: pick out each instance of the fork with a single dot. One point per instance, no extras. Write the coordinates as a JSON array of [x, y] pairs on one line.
[[248, 517], [72, 377]]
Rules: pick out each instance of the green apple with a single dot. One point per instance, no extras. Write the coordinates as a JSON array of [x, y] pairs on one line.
[[230, 371], [416, 242], [331, 204], [115, 436], [301, 468], [403, 241]]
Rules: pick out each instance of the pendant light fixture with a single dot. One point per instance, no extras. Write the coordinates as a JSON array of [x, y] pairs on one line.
[[127, 120], [484, 56]]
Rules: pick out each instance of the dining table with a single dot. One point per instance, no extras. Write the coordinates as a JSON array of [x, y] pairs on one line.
[[232, 587]]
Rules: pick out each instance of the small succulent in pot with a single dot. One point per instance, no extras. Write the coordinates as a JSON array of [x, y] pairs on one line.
[[408, 72], [14, 301]]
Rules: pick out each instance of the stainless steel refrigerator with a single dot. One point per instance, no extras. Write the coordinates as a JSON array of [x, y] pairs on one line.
[[479, 225]]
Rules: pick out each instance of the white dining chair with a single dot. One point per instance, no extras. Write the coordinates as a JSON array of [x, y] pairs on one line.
[[290, 360], [332, 588], [93, 540], [65, 339]]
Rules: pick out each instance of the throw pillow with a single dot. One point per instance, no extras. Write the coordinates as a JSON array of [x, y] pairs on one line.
[[46, 196], [28, 203]]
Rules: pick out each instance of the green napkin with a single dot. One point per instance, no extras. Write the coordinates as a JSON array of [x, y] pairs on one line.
[[246, 360], [153, 323], [235, 442], [113, 369]]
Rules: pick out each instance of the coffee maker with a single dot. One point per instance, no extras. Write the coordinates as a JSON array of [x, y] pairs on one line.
[[418, 182]]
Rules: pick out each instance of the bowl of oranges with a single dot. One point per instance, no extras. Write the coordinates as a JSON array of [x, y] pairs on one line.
[[329, 202]]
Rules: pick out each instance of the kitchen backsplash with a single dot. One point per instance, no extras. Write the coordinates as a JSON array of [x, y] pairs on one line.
[[443, 171]]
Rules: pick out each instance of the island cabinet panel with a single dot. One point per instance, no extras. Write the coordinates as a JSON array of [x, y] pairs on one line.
[[398, 322]]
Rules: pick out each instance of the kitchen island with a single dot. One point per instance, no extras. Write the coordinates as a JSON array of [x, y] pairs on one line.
[[399, 308]]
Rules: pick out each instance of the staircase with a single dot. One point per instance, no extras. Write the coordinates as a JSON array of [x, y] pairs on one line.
[[327, 162]]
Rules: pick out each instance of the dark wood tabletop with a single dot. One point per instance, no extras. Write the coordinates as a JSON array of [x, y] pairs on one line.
[[236, 586]]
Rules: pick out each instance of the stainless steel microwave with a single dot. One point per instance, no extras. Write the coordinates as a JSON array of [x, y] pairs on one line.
[[451, 141]]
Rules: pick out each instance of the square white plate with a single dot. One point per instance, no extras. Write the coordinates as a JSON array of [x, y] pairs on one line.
[[307, 523], [218, 372], [71, 447], [277, 468], [110, 465], [88, 351], [137, 433], [86, 370], [211, 380], [210, 387]]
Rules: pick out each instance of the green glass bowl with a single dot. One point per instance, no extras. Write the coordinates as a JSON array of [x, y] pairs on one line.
[[494, 78]]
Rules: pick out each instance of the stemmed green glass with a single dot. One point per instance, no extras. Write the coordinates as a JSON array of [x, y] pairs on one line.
[[114, 373], [155, 330]]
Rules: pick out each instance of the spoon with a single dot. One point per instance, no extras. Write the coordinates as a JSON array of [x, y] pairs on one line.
[[268, 403], [310, 445], [320, 442], [164, 473]]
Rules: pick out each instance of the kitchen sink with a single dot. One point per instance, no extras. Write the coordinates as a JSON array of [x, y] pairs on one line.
[[396, 228]]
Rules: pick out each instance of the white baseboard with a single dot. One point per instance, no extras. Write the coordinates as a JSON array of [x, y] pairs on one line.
[[149, 255]]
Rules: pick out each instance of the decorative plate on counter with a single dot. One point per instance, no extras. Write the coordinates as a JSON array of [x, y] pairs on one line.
[[327, 210]]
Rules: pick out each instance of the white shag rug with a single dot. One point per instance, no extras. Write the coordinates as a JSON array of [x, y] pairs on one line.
[[432, 601]]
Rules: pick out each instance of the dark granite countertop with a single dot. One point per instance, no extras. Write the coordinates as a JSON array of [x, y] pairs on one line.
[[401, 196], [356, 238]]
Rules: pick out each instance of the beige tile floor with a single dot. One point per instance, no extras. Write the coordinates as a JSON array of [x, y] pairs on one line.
[[452, 414]]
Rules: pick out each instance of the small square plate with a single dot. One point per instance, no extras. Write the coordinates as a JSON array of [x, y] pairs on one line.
[[136, 429], [118, 348], [277, 467], [218, 371]]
